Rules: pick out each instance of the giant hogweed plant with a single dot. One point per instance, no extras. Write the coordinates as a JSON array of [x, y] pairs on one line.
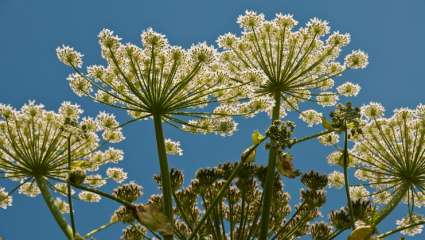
[[271, 67]]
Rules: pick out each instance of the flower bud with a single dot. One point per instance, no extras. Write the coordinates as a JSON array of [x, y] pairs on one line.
[[77, 177]]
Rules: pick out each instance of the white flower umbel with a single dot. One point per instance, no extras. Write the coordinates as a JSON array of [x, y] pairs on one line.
[[273, 60], [157, 79], [41, 149], [390, 156]]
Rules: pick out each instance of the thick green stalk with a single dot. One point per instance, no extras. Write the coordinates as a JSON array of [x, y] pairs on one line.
[[165, 173], [395, 200], [268, 188], [42, 185], [346, 182]]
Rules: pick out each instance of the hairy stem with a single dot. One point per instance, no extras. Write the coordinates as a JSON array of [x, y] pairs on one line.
[[268, 188], [57, 215], [165, 173]]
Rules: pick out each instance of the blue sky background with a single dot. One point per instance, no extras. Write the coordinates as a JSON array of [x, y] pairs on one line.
[[391, 31]]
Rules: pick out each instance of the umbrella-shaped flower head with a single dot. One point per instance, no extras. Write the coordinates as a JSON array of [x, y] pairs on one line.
[[39, 144], [277, 63], [390, 152], [156, 79]]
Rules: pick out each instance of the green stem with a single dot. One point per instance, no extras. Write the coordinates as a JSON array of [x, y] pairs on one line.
[[224, 189], [396, 198], [71, 208], [399, 229], [57, 215], [289, 221], [113, 198], [98, 229], [346, 182], [268, 188], [181, 210], [165, 173], [303, 139], [106, 195]]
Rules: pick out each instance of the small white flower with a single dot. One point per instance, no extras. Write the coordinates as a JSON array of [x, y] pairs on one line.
[[336, 179], [359, 193], [151, 38], [173, 147], [311, 117], [357, 59], [95, 180], [250, 20], [338, 39], [79, 84], [327, 99], [69, 56], [348, 89], [318, 27], [89, 196], [285, 21], [69, 110], [29, 189], [5, 199], [116, 174], [329, 139], [372, 110]]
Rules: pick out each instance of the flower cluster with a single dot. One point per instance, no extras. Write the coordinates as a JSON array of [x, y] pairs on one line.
[[389, 153], [157, 79], [274, 61], [389, 157], [39, 144]]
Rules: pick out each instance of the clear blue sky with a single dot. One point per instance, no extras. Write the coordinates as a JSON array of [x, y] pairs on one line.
[[391, 31]]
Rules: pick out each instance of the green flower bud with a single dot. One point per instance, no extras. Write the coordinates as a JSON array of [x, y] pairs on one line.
[[256, 137], [77, 176]]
